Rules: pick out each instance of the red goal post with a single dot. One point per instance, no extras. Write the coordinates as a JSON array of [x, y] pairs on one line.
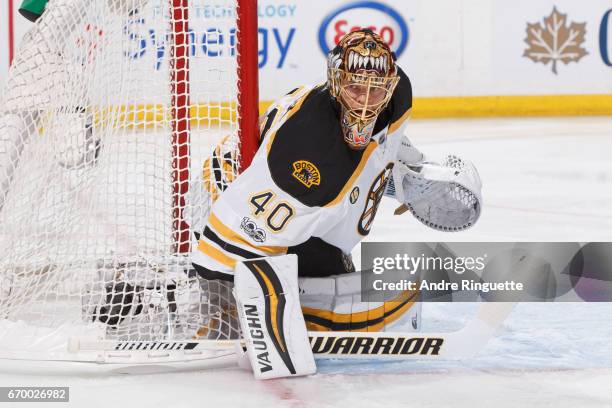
[[247, 99]]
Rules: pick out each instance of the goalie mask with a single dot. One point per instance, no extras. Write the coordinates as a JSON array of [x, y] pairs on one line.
[[361, 76]]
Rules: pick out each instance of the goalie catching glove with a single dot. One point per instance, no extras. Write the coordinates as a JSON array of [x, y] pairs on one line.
[[444, 196]]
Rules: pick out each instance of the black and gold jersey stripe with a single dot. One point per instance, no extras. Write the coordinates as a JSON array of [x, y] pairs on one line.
[[228, 247], [216, 254], [209, 274], [269, 121], [233, 238], [370, 320]]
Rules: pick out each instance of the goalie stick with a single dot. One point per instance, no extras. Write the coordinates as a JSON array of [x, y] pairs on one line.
[[462, 344]]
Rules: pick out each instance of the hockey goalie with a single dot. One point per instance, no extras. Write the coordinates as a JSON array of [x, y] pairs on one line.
[[327, 156]]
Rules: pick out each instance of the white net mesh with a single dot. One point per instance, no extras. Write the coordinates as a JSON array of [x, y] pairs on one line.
[[91, 204]]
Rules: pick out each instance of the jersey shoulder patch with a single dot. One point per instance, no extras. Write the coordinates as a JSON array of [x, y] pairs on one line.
[[308, 158]]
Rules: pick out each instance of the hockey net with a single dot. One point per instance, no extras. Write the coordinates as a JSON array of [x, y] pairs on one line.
[[110, 110]]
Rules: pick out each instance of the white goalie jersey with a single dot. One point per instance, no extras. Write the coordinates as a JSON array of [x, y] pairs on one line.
[[305, 182]]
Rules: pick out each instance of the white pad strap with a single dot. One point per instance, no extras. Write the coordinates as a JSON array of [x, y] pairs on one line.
[[267, 296]]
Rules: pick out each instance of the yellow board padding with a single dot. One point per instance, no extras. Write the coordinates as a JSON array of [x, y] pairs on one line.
[[512, 105], [224, 113], [146, 116], [506, 105]]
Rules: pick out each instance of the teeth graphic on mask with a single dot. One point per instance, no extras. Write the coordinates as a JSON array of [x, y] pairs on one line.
[[362, 85]]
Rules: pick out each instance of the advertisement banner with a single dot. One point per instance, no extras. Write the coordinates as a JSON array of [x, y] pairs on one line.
[[294, 40], [456, 49], [546, 47]]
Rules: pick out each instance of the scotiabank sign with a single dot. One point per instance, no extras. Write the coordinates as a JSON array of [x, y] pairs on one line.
[[377, 16]]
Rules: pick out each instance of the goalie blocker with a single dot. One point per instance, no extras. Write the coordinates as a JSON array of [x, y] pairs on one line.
[[267, 295]]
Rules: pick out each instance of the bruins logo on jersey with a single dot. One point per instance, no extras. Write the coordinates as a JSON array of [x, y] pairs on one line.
[[307, 173], [373, 200]]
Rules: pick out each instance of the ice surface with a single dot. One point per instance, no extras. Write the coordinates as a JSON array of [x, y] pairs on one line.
[[544, 180]]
